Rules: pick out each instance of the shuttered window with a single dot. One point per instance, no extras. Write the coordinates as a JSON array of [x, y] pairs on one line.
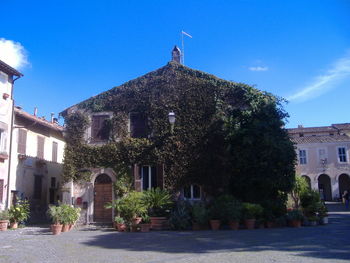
[[22, 141], [54, 151], [40, 149], [37, 186], [138, 125], [99, 129], [1, 190]]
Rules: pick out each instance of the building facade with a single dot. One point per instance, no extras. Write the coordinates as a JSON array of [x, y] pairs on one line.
[[8, 76], [323, 158], [36, 161]]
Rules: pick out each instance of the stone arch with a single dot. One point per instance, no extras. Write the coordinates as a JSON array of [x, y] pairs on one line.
[[308, 180], [324, 187], [102, 181], [344, 183]]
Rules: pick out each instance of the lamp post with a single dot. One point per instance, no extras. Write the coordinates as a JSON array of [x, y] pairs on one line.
[[172, 119]]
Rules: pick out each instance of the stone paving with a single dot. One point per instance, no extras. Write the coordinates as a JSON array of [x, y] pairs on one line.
[[330, 243]]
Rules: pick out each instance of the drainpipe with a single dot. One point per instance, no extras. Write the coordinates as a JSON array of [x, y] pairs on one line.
[[10, 150]]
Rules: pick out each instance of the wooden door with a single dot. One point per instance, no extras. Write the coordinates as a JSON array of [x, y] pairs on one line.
[[103, 195]]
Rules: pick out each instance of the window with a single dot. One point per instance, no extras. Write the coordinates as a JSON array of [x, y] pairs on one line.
[[148, 177], [99, 129], [54, 151], [53, 182], [1, 190], [138, 125], [22, 141], [40, 147], [302, 157], [192, 192], [322, 156], [37, 186], [2, 141], [342, 158]]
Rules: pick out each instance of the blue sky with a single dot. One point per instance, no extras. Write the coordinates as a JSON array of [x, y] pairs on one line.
[[299, 50]]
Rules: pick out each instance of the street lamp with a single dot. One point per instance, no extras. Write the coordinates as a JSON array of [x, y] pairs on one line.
[[172, 119]]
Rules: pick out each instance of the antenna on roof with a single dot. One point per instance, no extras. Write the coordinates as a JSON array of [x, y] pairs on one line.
[[183, 45]]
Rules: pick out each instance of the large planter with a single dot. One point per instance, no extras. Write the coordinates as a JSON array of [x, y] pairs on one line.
[[13, 225], [159, 223], [249, 223], [3, 225], [56, 229], [324, 220], [145, 227], [65, 228], [295, 223], [215, 224], [234, 225], [121, 227]]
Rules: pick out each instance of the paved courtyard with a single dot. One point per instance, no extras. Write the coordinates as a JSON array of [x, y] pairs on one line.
[[329, 243]]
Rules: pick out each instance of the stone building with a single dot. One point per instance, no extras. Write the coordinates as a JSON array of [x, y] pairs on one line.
[[36, 161], [323, 158], [8, 76]]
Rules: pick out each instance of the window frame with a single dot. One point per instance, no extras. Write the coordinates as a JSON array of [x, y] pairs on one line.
[[344, 155], [54, 157], [300, 157], [3, 141], [93, 138], [149, 177], [319, 156], [192, 198]]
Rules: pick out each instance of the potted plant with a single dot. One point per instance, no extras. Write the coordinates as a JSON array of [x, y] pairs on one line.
[[233, 214], [250, 213], [180, 218], [55, 212], [295, 217], [120, 223], [158, 203], [199, 216], [18, 213], [4, 220], [323, 214], [216, 212], [145, 225], [313, 220], [66, 215]]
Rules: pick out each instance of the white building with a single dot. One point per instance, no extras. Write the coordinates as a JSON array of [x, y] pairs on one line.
[[8, 76], [36, 160], [323, 158]]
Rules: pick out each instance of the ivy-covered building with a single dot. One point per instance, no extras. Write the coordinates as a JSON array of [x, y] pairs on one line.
[[124, 134]]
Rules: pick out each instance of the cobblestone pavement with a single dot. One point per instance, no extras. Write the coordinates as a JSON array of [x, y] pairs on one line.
[[330, 243]]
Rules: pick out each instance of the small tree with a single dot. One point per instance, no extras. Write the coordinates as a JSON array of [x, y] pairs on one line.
[[300, 187]]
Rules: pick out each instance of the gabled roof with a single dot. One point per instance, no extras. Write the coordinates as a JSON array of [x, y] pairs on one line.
[[170, 68], [312, 129], [40, 121], [321, 139], [9, 70]]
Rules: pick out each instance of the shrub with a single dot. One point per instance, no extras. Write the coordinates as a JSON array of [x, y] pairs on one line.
[[295, 214], [20, 211], [4, 215], [119, 220], [322, 211], [251, 211], [55, 213], [311, 202], [131, 206], [157, 201], [199, 213], [180, 218], [146, 219]]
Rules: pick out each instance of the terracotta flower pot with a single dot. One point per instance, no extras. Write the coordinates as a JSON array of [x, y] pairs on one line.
[[71, 226], [65, 227], [14, 225], [159, 223], [56, 229], [136, 220], [196, 226], [215, 224], [295, 223], [3, 225], [145, 227], [234, 225], [249, 223], [121, 227]]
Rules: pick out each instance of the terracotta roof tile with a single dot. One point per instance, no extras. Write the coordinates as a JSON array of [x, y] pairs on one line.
[[321, 139]]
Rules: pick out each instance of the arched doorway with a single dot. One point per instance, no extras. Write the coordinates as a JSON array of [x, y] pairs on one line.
[[324, 186], [307, 179], [344, 183], [102, 195]]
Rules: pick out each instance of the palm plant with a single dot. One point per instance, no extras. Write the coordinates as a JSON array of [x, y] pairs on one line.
[[157, 201], [55, 213]]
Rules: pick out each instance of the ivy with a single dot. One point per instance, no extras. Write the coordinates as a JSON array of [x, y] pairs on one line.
[[220, 127]]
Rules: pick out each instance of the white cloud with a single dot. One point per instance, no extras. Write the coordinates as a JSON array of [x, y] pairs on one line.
[[13, 53], [323, 83], [258, 68]]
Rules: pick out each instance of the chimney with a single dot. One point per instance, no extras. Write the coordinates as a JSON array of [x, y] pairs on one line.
[[52, 117], [176, 55], [35, 111]]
